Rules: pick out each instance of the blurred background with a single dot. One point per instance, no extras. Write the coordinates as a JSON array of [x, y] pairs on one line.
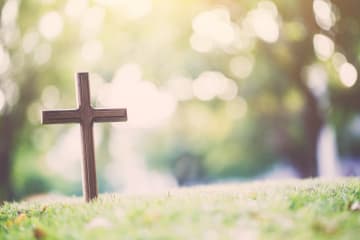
[[216, 91]]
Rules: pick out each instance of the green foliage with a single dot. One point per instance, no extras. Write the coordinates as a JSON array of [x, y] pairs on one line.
[[265, 123]]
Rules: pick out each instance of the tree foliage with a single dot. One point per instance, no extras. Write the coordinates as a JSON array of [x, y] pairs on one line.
[[292, 64]]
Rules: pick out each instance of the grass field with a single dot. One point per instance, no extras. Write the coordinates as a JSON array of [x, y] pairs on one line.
[[307, 209]]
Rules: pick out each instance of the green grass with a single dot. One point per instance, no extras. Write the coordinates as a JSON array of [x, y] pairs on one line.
[[308, 209]]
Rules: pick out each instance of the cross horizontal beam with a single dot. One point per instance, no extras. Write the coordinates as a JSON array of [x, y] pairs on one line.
[[61, 116], [74, 116], [110, 115]]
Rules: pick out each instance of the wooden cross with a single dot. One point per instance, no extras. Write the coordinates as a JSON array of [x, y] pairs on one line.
[[86, 116]]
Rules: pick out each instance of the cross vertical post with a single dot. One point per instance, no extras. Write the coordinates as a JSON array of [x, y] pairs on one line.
[[90, 188], [86, 116]]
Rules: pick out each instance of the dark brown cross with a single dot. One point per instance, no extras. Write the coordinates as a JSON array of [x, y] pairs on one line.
[[86, 116]]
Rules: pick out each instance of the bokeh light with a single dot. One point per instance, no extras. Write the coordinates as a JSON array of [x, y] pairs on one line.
[[210, 84], [212, 29], [324, 15], [4, 60], [264, 22], [75, 8], [324, 46], [2, 101], [51, 25], [317, 79], [9, 12], [348, 74], [92, 51], [148, 105], [242, 66]]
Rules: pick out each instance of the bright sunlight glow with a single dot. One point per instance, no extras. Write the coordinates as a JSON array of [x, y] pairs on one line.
[[148, 105]]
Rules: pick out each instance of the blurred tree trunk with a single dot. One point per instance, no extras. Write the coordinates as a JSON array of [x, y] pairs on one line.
[[313, 122], [303, 156], [345, 39], [306, 160], [6, 144], [11, 125], [312, 115]]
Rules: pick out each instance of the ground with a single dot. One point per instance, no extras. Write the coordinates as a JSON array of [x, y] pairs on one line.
[[296, 209]]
